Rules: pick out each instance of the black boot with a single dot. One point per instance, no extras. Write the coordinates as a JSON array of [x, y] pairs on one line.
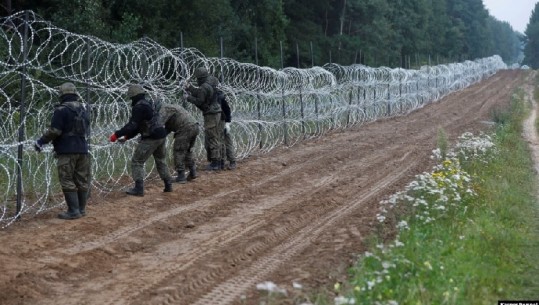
[[72, 201], [83, 197], [138, 190], [192, 172], [181, 177], [214, 165], [222, 165], [232, 165], [168, 186]]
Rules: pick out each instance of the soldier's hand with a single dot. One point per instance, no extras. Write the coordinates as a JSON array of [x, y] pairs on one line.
[[122, 139], [185, 85], [38, 145]]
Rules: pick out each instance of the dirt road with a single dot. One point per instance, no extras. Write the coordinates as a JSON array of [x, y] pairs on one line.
[[298, 214]]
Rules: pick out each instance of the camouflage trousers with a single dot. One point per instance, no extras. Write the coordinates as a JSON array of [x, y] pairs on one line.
[[143, 151], [183, 147], [212, 136], [228, 152], [74, 172]]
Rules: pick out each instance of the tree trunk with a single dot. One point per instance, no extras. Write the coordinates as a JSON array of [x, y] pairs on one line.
[[342, 22]]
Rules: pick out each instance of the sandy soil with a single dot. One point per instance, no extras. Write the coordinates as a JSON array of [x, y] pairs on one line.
[[299, 214]]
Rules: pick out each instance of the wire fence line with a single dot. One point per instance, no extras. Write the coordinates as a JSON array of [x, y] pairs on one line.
[[270, 107]]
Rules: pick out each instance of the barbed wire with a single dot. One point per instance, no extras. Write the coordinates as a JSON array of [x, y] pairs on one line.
[[270, 107]]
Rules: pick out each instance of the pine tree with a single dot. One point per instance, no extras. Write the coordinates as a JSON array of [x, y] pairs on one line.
[[531, 51]]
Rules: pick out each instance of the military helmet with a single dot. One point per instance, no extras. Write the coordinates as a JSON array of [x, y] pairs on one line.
[[134, 90], [201, 72], [67, 88]]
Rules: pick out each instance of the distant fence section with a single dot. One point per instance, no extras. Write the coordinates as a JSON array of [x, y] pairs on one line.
[[270, 107]]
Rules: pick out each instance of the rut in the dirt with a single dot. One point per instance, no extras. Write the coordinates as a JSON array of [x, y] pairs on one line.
[[297, 214]]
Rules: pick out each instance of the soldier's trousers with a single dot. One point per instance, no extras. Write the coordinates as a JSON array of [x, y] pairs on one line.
[[184, 142], [212, 136], [228, 151], [146, 148], [73, 172]]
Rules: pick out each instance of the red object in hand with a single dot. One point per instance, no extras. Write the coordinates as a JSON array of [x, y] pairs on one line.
[[113, 138]]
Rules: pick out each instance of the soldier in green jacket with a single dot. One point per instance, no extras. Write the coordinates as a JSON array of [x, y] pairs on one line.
[[185, 129], [203, 98]]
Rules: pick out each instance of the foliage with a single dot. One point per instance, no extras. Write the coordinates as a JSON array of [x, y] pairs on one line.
[[531, 51], [373, 32]]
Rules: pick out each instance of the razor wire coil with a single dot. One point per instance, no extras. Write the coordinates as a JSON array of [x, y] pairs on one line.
[[270, 107]]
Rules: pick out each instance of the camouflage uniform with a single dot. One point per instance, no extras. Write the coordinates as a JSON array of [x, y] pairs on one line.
[[145, 120], [186, 130], [228, 151], [68, 131], [202, 97]]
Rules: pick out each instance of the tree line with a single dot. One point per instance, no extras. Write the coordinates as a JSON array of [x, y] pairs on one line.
[[531, 51], [373, 32]]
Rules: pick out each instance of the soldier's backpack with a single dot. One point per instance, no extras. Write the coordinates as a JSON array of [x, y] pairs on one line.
[[226, 114], [156, 121], [80, 121], [215, 101]]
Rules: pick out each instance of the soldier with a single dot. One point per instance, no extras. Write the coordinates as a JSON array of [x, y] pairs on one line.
[[203, 98], [68, 131], [227, 151], [186, 130], [144, 120]]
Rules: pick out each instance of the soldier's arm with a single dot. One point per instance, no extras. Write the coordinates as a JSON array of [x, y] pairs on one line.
[[55, 130], [131, 129], [197, 97], [227, 111]]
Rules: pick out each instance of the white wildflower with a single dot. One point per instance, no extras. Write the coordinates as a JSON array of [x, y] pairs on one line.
[[270, 287], [402, 225], [340, 300]]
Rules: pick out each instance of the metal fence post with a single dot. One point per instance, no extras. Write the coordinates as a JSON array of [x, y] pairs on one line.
[[181, 40], [301, 97], [282, 99], [22, 117], [89, 110], [388, 99]]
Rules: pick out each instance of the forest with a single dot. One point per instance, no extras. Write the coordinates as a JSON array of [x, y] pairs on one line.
[[390, 33]]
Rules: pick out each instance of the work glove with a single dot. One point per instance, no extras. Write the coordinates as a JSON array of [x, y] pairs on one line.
[[113, 137], [38, 145], [227, 127], [122, 139], [185, 85]]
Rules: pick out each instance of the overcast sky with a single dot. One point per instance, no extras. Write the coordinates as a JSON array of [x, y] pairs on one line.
[[516, 12]]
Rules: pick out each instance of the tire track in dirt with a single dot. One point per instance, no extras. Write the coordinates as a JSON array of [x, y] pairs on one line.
[[126, 231], [173, 260], [231, 289], [205, 280], [258, 243]]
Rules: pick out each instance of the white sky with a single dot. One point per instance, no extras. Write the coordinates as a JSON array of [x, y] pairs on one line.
[[516, 12]]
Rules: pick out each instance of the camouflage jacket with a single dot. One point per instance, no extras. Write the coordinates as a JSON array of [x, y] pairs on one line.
[[176, 118]]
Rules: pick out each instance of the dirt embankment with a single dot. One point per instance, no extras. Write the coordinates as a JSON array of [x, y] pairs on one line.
[[298, 214]]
